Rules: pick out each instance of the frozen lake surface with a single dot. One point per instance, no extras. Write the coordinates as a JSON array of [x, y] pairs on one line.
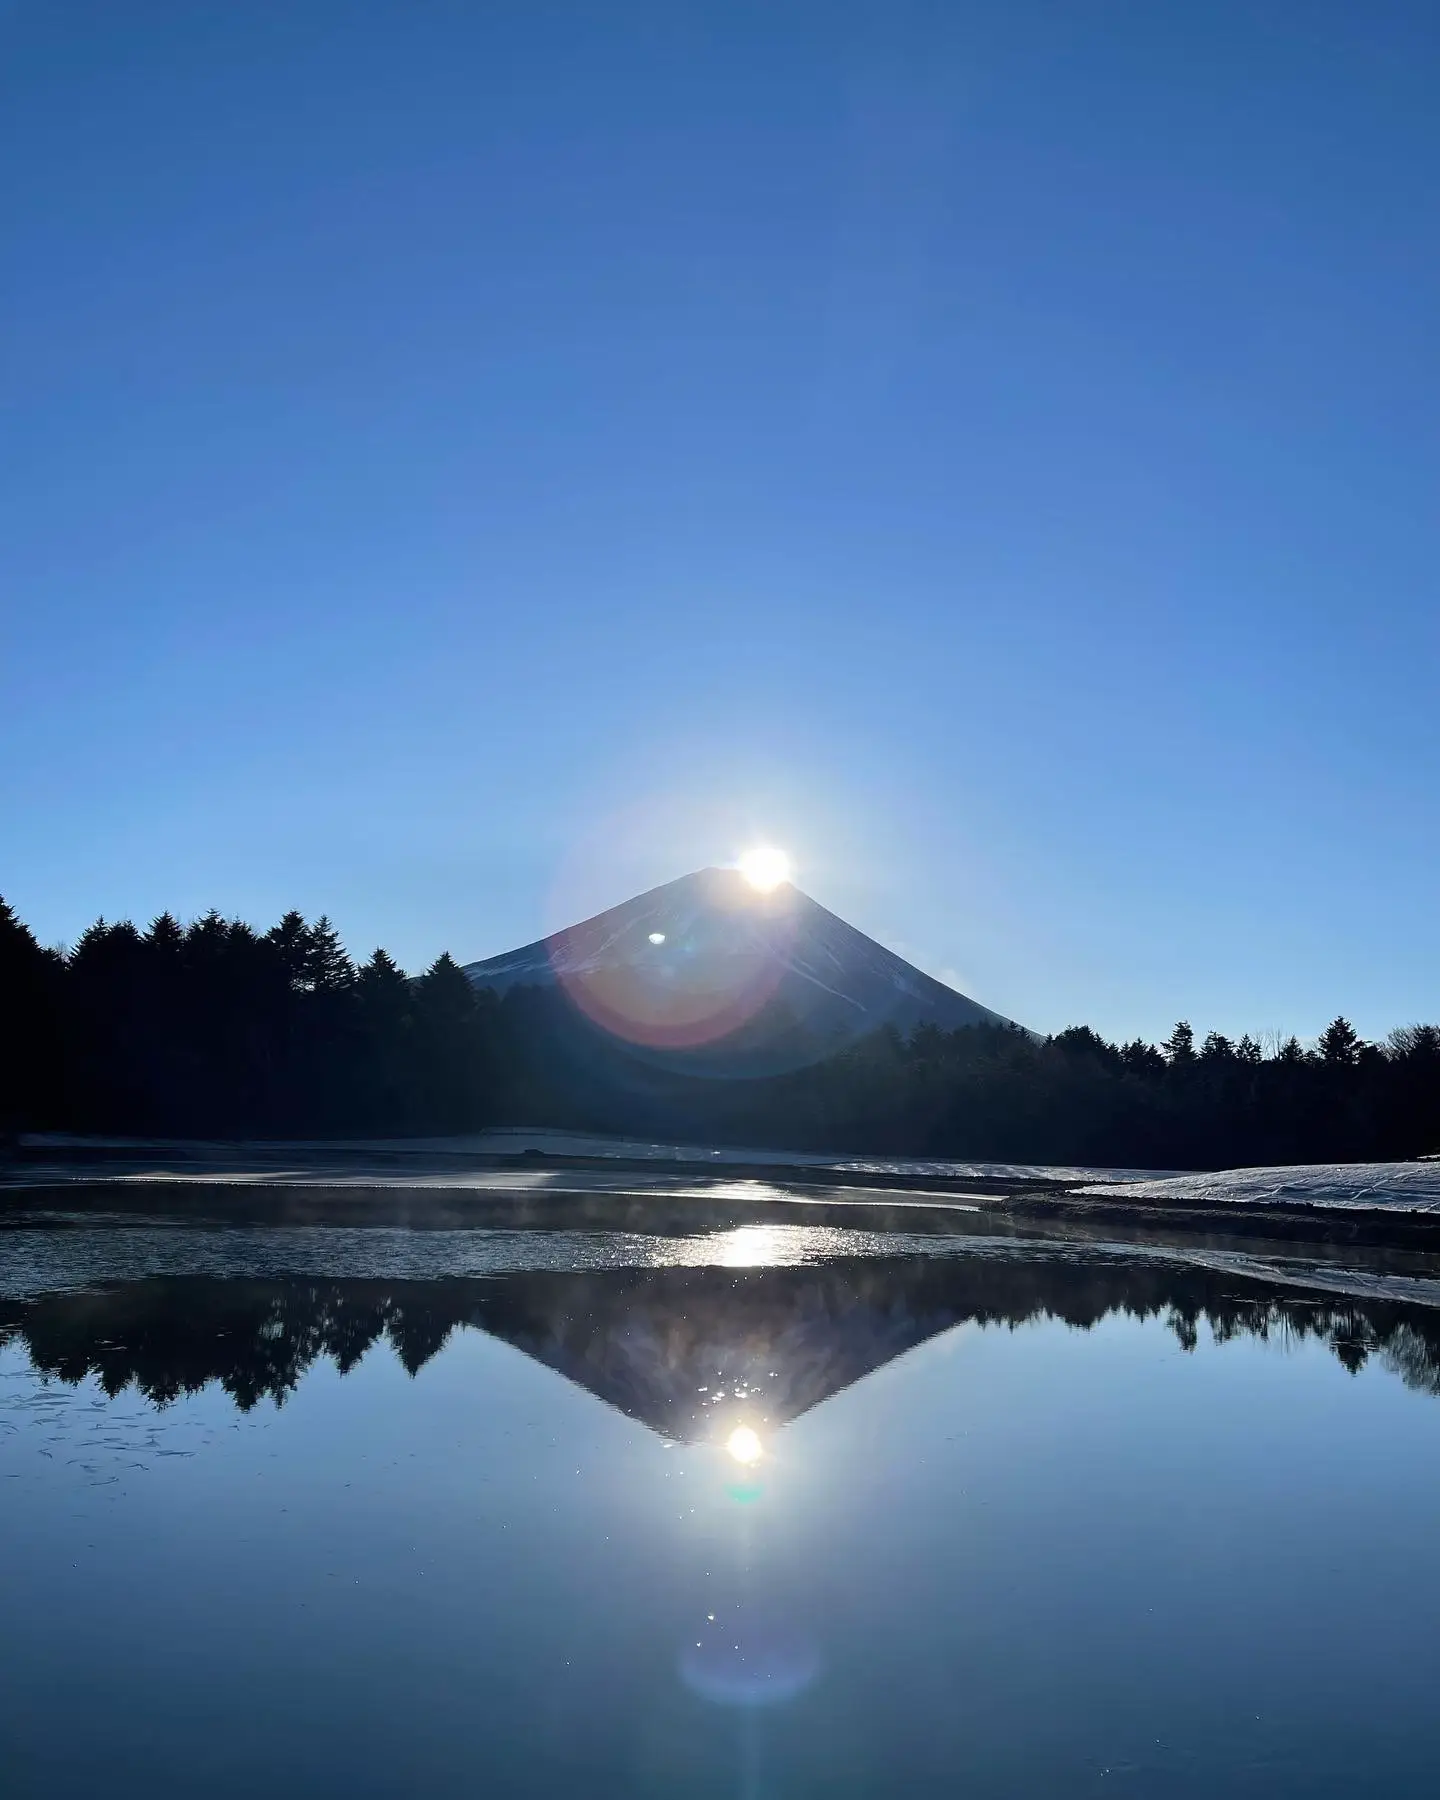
[[757, 1511]]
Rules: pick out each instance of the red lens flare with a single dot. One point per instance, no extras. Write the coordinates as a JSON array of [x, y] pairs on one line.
[[684, 971]]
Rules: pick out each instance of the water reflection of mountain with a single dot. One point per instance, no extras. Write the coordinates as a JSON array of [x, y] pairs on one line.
[[673, 1346]]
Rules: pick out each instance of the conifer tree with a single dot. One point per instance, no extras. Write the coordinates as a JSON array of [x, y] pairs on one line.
[[327, 968], [30, 1043], [290, 941], [1339, 1044]]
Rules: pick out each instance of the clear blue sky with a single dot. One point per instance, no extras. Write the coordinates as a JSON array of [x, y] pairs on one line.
[[460, 464]]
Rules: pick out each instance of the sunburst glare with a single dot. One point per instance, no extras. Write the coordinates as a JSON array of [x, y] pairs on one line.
[[764, 867]]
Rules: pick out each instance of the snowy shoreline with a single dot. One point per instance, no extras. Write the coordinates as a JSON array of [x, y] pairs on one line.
[[495, 1158]]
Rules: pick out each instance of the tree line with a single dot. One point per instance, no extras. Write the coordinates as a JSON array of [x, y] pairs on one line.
[[213, 1028]]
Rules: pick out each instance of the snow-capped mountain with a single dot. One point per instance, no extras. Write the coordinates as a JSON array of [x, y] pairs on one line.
[[709, 958]]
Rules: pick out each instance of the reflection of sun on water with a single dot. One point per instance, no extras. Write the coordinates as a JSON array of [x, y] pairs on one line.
[[758, 1246], [744, 1446], [747, 1247]]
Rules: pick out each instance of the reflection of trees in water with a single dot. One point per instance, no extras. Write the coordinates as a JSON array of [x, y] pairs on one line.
[[640, 1338], [169, 1337]]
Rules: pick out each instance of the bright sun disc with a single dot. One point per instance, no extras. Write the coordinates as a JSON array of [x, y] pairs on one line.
[[743, 1445], [765, 868]]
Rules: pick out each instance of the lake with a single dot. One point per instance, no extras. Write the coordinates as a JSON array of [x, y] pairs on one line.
[[758, 1511]]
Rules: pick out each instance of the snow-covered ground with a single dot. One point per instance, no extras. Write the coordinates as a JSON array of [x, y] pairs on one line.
[[470, 1161], [568, 1143], [189, 1158], [1390, 1186]]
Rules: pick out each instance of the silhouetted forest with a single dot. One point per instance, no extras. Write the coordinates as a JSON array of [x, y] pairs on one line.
[[216, 1029]]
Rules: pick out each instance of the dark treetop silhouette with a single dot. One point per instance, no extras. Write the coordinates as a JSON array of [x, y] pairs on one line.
[[214, 1028]]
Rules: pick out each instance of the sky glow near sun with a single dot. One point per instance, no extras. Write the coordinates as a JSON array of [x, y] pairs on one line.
[[764, 867]]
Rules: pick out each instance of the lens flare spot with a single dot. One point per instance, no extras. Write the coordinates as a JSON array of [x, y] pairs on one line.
[[764, 867], [657, 937], [748, 1658], [744, 1446]]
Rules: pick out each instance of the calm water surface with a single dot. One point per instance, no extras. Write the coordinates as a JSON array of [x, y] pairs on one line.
[[1022, 1522]]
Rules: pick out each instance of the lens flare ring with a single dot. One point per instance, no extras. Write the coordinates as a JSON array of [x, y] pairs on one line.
[[689, 973]]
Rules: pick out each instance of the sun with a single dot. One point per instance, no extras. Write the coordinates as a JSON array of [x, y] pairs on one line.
[[764, 868]]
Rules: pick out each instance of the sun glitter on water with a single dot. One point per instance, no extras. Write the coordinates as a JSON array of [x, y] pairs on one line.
[[764, 867]]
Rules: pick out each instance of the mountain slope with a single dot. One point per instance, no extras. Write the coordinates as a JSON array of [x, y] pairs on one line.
[[708, 960]]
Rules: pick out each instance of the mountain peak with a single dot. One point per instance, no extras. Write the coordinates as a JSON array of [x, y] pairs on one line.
[[691, 963]]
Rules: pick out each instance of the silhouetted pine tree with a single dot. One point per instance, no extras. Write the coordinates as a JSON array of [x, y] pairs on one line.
[[328, 970], [1339, 1044], [450, 1053], [386, 1097], [31, 997]]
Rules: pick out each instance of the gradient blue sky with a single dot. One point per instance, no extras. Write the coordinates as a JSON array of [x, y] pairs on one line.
[[463, 463]]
